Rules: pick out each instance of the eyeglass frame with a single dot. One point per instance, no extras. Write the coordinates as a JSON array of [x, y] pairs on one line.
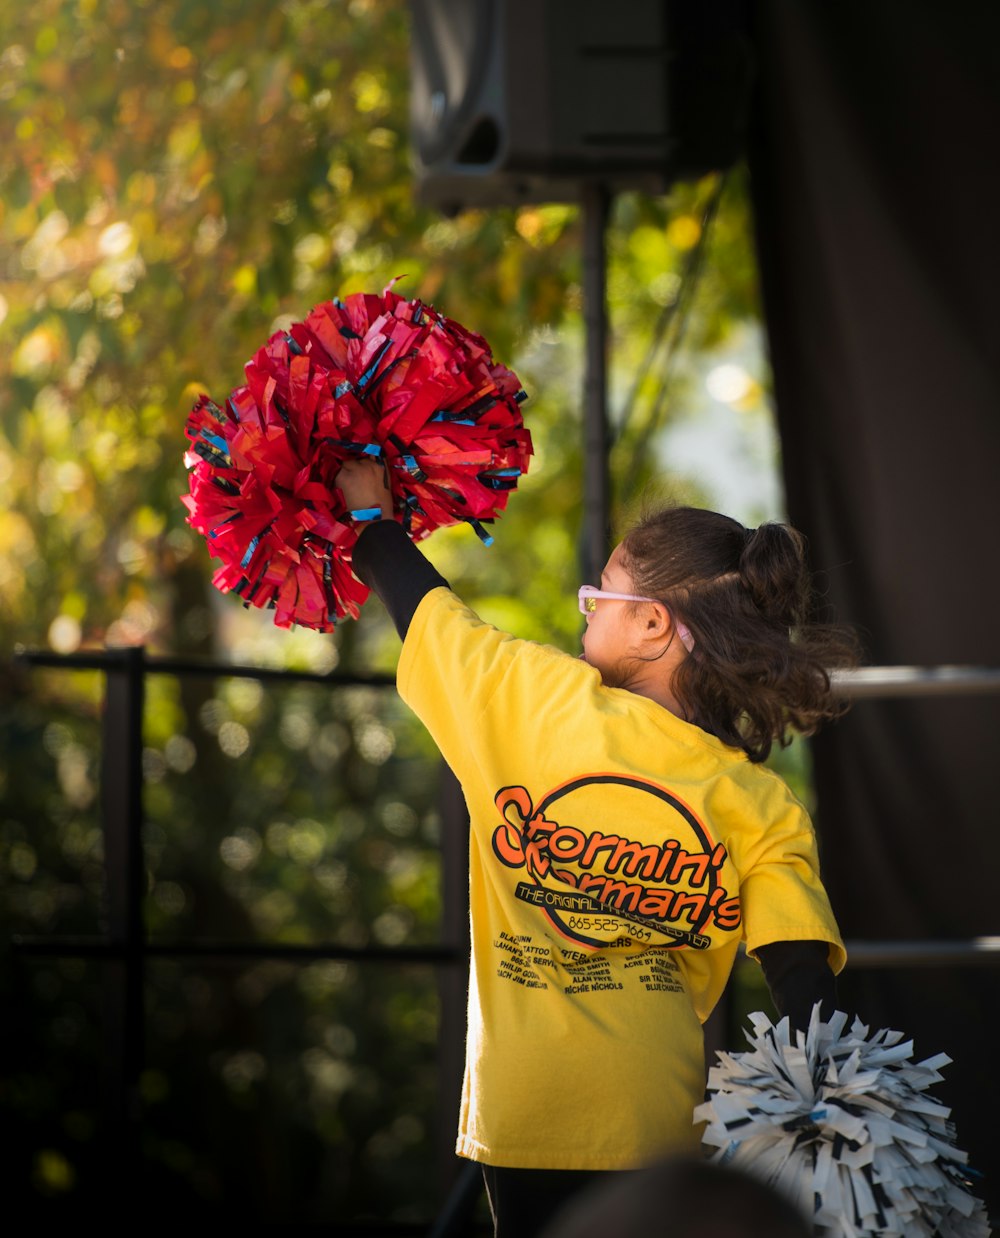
[[587, 596]]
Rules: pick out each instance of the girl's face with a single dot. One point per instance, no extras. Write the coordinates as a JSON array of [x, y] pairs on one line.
[[610, 643]]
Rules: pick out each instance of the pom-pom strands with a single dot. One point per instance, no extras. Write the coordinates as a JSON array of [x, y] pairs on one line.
[[369, 375], [843, 1124]]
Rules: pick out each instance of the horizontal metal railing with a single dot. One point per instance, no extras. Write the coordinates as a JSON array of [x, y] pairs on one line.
[[861, 683], [863, 954], [975, 952], [154, 664], [868, 682]]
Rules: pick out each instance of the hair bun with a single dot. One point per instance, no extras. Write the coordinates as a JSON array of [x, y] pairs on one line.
[[772, 566]]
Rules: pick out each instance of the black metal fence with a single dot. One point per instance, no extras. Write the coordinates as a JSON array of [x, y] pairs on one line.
[[125, 951]]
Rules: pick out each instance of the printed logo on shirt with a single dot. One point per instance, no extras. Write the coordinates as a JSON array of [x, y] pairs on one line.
[[598, 884]]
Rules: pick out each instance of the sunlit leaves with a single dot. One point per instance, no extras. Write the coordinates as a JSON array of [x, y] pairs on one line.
[[187, 177]]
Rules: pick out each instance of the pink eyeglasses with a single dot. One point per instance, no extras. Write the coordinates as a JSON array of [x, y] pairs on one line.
[[588, 596]]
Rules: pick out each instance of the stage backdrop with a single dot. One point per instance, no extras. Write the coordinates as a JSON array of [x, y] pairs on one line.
[[875, 159]]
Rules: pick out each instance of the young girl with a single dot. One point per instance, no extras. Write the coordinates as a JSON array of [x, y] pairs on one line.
[[625, 837]]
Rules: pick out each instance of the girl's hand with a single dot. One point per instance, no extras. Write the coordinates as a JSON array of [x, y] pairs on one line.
[[363, 484]]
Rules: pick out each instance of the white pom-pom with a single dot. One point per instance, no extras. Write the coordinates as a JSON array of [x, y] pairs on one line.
[[842, 1123]]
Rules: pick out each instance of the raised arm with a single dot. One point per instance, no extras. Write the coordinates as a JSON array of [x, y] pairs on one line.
[[384, 557]]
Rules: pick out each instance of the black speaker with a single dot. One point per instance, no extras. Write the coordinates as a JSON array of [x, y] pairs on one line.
[[516, 101]]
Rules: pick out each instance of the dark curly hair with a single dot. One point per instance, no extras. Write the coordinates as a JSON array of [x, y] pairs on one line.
[[760, 666]]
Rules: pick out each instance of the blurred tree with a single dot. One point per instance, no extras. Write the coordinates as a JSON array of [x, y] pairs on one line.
[[179, 180]]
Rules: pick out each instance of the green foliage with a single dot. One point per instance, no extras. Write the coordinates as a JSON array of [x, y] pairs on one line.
[[181, 180], [187, 179]]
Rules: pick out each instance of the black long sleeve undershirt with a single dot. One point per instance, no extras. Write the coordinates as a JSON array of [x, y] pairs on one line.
[[797, 972], [391, 566], [798, 975]]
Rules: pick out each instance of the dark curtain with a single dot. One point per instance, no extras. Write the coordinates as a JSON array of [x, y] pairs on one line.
[[875, 163]]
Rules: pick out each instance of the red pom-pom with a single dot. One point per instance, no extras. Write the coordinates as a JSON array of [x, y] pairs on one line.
[[374, 375]]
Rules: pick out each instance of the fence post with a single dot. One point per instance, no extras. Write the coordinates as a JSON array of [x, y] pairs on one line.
[[124, 867], [453, 978]]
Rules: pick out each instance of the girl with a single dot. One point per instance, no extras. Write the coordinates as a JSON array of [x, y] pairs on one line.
[[625, 837]]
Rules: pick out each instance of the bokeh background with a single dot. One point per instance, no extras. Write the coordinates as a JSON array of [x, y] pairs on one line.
[[177, 181]]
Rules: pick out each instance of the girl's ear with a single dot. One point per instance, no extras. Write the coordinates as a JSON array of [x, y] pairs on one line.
[[658, 621]]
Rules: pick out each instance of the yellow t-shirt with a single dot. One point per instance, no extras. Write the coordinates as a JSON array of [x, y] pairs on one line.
[[618, 856]]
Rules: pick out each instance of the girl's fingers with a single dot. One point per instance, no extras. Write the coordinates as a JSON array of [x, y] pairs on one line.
[[363, 483]]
